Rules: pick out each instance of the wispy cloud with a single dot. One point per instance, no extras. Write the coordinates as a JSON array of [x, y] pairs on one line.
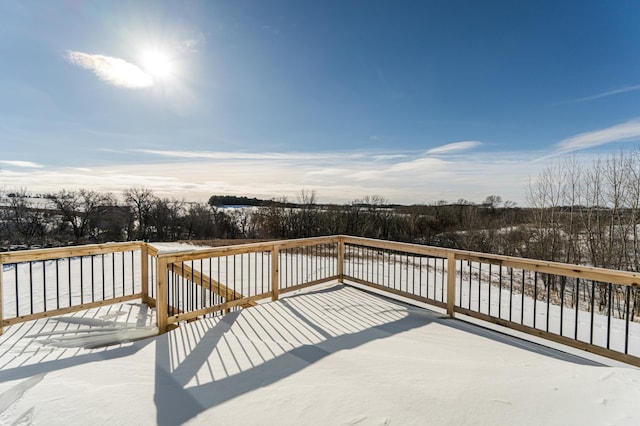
[[185, 40], [194, 42], [454, 147], [426, 164], [336, 176], [214, 155], [115, 71], [619, 133], [386, 157], [609, 93], [22, 164]]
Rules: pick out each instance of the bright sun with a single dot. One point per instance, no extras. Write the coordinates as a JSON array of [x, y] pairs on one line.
[[157, 64]]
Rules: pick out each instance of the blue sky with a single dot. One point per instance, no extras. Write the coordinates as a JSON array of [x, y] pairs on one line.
[[414, 101]]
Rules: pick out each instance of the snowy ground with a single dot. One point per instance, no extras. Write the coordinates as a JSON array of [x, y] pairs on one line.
[[335, 355], [427, 279]]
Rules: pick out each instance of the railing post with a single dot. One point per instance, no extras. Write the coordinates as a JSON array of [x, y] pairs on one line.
[[1, 301], [340, 260], [162, 312], [144, 271], [275, 272], [451, 284]]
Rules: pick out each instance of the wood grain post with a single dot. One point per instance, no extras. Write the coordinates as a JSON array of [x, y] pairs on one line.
[[451, 284], [1, 301], [275, 273], [341, 259], [144, 271], [162, 312]]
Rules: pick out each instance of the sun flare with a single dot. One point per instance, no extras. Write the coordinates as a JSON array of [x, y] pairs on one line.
[[158, 64]]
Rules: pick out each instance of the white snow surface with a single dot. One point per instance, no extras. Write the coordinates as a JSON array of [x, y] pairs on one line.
[[333, 355], [172, 247]]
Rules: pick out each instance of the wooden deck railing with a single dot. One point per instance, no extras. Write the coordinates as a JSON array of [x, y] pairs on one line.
[[47, 282], [209, 281], [593, 309]]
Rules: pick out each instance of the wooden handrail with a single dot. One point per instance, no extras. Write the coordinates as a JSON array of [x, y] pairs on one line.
[[167, 315], [557, 268], [1, 300], [71, 251], [203, 253], [41, 255], [568, 270]]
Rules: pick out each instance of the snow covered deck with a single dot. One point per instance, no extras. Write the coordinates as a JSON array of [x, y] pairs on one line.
[[331, 355]]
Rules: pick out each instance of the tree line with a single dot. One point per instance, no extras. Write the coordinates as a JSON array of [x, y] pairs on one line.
[[577, 213], [86, 216], [588, 214], [580, 213]]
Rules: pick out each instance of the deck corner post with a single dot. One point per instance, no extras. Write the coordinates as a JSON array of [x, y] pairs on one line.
[[144, 271], [341, 259], [1, 301], [275, 273], [162, 312], [451, 284]]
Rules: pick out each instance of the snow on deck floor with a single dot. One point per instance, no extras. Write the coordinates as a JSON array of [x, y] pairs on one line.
[[336, 355]]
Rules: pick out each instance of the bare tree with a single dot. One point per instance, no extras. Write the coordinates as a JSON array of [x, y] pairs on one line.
[[140, 201], [245, 219], [544, 194], [306, 216], [27, 219], [166, 217], [80, 210]]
